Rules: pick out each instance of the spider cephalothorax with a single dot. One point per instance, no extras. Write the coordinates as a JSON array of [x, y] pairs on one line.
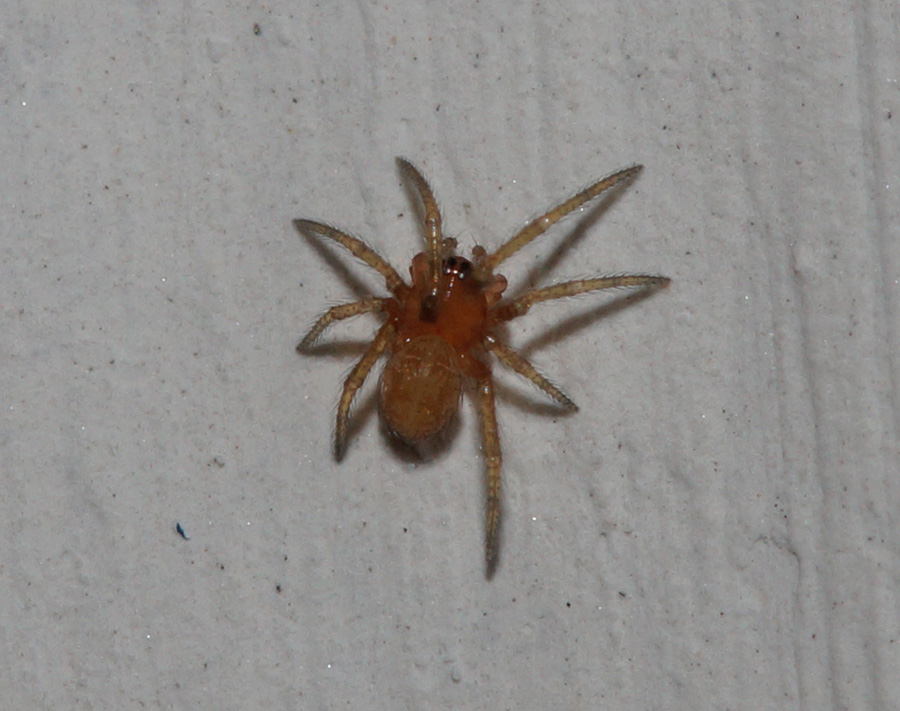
[[439, 328]]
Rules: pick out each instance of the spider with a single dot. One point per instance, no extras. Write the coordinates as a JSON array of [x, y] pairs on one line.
[[439, 329]]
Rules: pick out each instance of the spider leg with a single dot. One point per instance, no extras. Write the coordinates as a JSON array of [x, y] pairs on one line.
[[357, 248], [519, 306], [353, 383], [536, 228], [338, 313], [490, 442], [433, 234], [514, 361]]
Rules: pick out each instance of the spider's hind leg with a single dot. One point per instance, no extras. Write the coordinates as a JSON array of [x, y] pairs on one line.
[[490, 443]]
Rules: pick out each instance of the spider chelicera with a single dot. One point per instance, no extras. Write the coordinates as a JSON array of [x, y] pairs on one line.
[[439, 328]]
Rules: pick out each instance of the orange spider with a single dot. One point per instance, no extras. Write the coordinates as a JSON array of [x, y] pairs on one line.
[[439, 329]]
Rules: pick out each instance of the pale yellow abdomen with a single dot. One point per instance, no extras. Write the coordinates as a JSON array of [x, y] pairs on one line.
[[420, 388]]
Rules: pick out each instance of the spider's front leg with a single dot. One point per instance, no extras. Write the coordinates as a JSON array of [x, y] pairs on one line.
[[536, 228], [357, 248], [433, 236]]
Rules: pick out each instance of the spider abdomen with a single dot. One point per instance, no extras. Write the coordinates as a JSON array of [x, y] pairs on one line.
[[420, 388]]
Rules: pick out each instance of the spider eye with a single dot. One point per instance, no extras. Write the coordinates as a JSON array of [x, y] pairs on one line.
[[458, 266]]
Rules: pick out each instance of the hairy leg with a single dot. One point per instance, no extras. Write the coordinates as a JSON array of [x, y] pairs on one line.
[[514, 361], [357, 248], [519, 306], [433, 233], [536, 228], [338, 313], [490, 442], [353, 383]]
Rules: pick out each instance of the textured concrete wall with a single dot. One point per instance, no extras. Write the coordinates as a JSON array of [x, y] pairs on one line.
[[717, 528]]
